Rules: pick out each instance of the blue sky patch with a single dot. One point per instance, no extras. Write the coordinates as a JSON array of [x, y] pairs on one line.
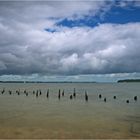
[[116, 15], [90, 21], [122, 15]]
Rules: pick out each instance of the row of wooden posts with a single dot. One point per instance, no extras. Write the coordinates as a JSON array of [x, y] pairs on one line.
[[39, 92]]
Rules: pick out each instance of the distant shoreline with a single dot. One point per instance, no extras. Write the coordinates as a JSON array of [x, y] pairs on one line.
[[119, 81], [128, 80], [46, 82]]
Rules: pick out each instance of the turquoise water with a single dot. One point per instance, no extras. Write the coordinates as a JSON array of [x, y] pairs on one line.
[[29, 116]]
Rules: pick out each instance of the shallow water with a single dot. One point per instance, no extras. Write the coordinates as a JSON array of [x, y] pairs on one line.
[[29, 116]]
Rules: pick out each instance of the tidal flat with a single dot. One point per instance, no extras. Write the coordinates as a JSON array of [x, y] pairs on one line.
[[24, 113]]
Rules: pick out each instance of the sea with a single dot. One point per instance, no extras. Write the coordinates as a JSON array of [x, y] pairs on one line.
[[27, 111]]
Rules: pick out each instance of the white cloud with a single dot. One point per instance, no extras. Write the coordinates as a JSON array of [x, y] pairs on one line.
[[104, 49], [26, 48], [69, 62]]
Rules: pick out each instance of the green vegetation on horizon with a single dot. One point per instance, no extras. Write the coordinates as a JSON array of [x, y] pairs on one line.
[[128, 80]]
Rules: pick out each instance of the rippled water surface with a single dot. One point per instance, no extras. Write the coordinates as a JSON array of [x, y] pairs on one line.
[[29, 116]]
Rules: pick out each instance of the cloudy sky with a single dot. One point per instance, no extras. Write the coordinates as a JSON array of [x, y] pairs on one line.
[[70, 40]]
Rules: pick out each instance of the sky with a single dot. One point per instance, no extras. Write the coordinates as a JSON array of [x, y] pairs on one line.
[[70, 40]]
